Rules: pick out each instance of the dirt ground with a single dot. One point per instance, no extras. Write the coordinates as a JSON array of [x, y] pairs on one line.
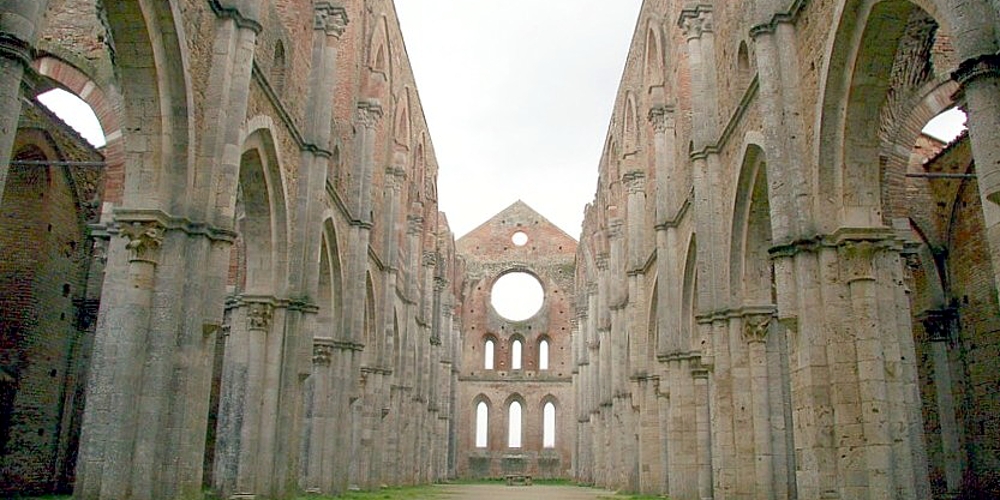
[[503, 492]]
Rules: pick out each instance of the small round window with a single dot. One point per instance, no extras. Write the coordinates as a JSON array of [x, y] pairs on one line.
[[517, 296], [519, 238]]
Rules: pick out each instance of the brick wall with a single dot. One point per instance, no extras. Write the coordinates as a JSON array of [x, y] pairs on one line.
[[44, 259]]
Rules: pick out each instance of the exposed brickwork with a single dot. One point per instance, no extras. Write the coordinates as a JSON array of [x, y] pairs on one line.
[[44, 260], [488, 252]]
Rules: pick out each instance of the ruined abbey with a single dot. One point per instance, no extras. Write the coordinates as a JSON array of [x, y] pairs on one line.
[[783, 289]]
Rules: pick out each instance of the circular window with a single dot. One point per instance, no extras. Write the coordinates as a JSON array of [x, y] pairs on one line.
[[517, 296], [519, 238]]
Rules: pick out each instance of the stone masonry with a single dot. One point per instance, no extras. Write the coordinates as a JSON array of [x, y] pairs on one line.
[[782, 288]]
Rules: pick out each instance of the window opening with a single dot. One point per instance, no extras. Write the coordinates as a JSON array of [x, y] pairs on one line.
[[549, 425], [517, 296], [488, 354], [543, 355], [482, 424], [515, 355], [514, 430], [519, 238]]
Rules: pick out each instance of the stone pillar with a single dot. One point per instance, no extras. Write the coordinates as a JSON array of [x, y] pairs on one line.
[[755, 330], [682, 429], [703, 422], [130, 287], [979, 97], [321, 425], [669, 202], [19, 26], [940, 325], [238, 454], [635, 187]]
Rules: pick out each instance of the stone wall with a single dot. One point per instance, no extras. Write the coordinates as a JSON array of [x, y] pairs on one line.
[[489, 252]]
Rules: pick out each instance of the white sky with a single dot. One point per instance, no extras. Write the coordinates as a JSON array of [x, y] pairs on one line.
[[946, 126], [518, 96], [76, 113]]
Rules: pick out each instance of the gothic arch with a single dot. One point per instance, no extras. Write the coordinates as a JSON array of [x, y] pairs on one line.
[[103, 99], [402, 129], [379, 59], [261, 218], [630, 126], [654, 61], [751, 230], [689, 297], [330, 283], [847, 186], [157, 110], [371, 338]]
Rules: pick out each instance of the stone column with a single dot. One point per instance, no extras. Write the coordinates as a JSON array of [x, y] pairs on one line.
[[114, 391], [320, 424], [703, 422], [669, 203], [238, 457], [940, 325], [979, 97], [19, 26], [755, 330], [329, 23]]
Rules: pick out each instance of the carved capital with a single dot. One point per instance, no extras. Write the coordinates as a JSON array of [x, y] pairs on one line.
[[755, 327], [330, 18], [369, 113], [695, 22], [602, 261], [615, 228], [430, 259], [259, 316], [15, 48], [984, 66], [322, 353], [635, 181], [414, 225], [440, 284], [858, 260], [144, 240], [395, 177], [661, 118]]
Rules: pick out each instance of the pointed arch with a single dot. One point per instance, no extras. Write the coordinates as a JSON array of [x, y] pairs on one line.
[[401, 130], [481, 407], [330, 283], [655, 57], [262, 215], [744, 248], [371, 337], [630, 126], [157, 110], [514, 406], [689, 296], [847, 183]]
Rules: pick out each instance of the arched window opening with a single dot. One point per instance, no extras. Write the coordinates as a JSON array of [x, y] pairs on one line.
[[743, 62], [947, 126], [278, 65], [543, 355], [76, 113], [488, 354], [515, 355], [514, 425], [549, 425], [482, 425]]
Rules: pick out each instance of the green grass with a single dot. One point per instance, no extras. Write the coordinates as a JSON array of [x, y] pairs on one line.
[[409, 492], [626, 496]]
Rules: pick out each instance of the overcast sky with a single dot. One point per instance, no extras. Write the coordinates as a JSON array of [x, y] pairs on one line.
[[517, 95]]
